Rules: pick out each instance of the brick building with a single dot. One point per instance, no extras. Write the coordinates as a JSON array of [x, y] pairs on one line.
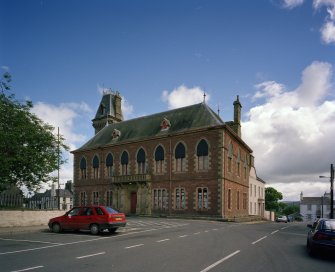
[[185, 161]]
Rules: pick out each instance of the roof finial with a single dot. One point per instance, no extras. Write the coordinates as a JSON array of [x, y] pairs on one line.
[[219, 109], [204, 96]]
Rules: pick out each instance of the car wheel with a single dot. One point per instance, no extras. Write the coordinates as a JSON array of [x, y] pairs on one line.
[[112, 230], [56, 228], [94, 228]]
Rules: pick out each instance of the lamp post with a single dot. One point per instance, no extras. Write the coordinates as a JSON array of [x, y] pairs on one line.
[[331, 190]]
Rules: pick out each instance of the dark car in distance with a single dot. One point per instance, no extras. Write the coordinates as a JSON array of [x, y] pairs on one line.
[[93, 218], [321, 236]]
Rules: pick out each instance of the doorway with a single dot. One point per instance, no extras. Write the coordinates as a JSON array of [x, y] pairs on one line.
[[133, 202]]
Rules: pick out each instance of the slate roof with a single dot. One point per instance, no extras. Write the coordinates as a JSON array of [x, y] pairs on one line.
[[315, 201], [182, 119]]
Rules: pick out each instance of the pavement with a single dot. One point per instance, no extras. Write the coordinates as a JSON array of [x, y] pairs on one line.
[[22, 229]]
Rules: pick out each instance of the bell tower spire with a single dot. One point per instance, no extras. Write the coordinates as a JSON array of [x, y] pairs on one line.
[[109, 110]]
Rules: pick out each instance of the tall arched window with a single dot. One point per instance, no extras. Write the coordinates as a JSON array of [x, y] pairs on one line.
[[109, 165], [83, 168], [180, 155], [124, 163], [159, 159], [140, 161], [202, 195], [202, 155], [95, 165]]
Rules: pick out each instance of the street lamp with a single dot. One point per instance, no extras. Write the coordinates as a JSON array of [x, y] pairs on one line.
[[331, 190]]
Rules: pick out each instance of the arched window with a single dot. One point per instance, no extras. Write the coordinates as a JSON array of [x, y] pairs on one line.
[[109, 198], [83, 168], [202, 195], [159, 159], [180, 157], [124, 163], [140, 161], [202, 155], [95, 165], [109, 165]]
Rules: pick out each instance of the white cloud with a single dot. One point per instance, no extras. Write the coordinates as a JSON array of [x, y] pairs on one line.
[[328, 32], [328, 28], [292, 132], [268, 89], [66, 116], [127, 109], [290, 4], [184, 96], [291, 191]]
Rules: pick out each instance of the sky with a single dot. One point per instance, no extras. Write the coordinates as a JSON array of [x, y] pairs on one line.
[[277, 55]]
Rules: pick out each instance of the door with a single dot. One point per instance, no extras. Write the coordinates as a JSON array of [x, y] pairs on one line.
[[133, 202]]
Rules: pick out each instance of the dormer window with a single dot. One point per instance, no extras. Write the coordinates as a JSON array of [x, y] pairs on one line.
[[116, 134], [165, 124]]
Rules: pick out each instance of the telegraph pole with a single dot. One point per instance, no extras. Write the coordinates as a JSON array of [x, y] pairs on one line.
[[58, 163], [332, 191]]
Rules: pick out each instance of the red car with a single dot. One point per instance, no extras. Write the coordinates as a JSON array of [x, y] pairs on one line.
[[93, 218]]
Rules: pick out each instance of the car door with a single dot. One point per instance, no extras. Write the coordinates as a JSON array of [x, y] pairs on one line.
[[70, 218], [85, 218]]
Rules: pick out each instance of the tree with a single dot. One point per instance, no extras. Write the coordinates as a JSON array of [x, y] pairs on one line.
[[29, 151], [291, 209], [272, 196]]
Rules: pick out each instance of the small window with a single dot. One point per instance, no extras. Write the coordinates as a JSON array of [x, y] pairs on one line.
[[99, 211], [86, 211], [74, 211]]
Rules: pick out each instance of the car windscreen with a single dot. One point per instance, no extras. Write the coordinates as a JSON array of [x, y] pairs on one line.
[[111, 210], [329, 225]]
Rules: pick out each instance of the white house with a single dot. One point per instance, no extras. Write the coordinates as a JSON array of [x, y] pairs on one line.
[[312, 208], [256, 192]]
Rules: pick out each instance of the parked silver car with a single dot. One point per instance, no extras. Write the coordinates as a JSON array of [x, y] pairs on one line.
[[282, 219]]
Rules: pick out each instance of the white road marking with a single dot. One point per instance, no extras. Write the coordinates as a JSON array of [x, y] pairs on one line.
[[83, 241], [164, 240], [91, 255], [284, 227], [220, 261], [134, 246], [255, 242], [29, 268], [182, 236], [30, 241], [196, 233], [274, 232]]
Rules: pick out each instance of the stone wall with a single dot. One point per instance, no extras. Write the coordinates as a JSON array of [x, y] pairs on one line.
[[27, 218]]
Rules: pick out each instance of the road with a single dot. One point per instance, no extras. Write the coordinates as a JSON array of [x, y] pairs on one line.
[[165, 245]]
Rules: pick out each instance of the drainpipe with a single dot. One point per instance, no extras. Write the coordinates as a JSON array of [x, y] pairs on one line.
[[170, 178]]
